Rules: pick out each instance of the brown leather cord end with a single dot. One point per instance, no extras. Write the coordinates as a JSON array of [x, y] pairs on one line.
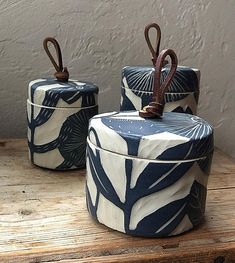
[[61, 73], [156, 107]]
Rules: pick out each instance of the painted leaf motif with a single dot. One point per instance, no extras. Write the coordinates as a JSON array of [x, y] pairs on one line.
[[157, 176], [149, 204], [43, 116], [128, 101], [196, 203], [104, 185], [168, 217]]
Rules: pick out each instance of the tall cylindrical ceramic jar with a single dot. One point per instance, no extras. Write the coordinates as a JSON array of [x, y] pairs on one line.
[[58, 111], [137, 84]]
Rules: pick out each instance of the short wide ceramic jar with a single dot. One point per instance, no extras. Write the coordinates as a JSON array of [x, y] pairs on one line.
[[58, 117], [148, 177]]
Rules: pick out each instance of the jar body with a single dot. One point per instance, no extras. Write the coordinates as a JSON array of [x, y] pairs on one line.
[[58, 116], [142, 197]]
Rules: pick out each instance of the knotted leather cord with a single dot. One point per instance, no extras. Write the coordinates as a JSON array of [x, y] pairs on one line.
[[61, 73], [154, 52], [155, 108]]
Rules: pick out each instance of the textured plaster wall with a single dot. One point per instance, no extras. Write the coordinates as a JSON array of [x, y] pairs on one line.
[[99, 37]]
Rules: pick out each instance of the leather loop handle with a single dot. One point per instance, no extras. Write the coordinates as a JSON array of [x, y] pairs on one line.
[[61, 73], [154, 52], [160, 89], [156, 107]]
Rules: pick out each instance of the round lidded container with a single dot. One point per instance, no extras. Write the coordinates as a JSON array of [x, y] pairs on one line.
[[137, 84], [58, 111], [148, 176]]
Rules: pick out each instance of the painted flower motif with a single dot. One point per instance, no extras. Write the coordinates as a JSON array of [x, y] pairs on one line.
[[72, 139]]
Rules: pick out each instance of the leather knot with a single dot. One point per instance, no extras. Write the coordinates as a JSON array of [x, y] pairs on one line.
[[153, 110], [62, 76]]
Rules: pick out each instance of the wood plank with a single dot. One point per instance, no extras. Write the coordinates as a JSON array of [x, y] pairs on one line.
[[222, 171], [43, 218], [222, 163]]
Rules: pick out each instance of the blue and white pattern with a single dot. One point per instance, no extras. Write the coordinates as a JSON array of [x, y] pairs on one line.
[[58, 118], [148, 177], [182, 95]]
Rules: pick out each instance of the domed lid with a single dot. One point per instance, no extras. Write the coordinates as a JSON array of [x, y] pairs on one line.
[[61, 92], [140, 78], [53, 93], [175, 136]]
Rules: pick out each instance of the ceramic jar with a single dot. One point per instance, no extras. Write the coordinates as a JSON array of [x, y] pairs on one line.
[[58, 117], [137, 83], [148, 177]]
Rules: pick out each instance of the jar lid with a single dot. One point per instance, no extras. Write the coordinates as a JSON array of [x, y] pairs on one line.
[[140, 78], [174, 137], [53, 93]]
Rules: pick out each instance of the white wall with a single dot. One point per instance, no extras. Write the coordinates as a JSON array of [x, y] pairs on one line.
[[99, 37]]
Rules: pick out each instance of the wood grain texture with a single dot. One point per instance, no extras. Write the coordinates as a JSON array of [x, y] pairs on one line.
[[43, 218]]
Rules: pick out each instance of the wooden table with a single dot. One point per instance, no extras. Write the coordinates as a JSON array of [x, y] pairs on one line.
[[43, 218]]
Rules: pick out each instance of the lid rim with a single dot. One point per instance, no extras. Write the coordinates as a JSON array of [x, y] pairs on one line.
[[151, 66], [152, 160], [151, 92], [62, 108]]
